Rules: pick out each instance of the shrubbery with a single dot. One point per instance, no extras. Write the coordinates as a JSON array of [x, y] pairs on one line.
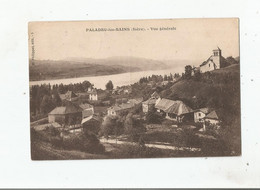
[[83, 142]]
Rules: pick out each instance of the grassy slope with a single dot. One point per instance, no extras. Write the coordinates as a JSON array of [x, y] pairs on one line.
[[45, 151], [220, 91]]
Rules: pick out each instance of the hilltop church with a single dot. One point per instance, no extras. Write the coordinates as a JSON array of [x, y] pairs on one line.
[[215, 61]]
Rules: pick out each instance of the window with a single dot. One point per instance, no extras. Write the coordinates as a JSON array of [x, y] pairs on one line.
[[209, 65], [199, 114]]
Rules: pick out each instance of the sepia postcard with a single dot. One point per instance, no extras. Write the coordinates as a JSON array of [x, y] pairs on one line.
[[134, 89]]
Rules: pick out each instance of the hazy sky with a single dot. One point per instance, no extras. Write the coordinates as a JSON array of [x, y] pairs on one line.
[[193, 39]]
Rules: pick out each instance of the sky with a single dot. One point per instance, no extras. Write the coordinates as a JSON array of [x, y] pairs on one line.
[[193, 39]]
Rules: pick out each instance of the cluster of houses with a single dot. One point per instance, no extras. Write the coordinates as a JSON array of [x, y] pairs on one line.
[[76, 117], [178, 111], [72, 115], [122, 90], [71, 96]]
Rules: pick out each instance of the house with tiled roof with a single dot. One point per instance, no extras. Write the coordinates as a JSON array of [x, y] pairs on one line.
[[174, 109], [212, 118], [200, 114], [119, 108], [70, 113], [149, 104]]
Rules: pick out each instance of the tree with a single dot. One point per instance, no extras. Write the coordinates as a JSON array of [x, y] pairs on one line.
[[188, 71], [109, 85], [56, 98], [108, 126], [153, 117], [46, 104], [133, 127]]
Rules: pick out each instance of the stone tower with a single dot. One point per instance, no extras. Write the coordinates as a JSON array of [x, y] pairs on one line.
[[216, 58]]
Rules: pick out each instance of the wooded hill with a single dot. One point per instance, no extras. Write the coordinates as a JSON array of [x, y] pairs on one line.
[[76, 67]]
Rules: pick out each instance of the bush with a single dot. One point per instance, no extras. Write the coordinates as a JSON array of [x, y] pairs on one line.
[[154, 117], [84, 142]]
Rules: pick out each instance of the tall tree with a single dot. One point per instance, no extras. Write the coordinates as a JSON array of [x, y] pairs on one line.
[[188, 71], [109, 85], [46, 104]]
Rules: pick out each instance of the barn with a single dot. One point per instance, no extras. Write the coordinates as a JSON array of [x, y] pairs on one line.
[[68, 114]]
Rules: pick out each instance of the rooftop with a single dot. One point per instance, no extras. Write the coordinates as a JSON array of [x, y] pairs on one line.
[[68, 108]]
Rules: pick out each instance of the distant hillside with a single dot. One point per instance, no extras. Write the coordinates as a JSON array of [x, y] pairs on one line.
[[77, 67], [126, 61]]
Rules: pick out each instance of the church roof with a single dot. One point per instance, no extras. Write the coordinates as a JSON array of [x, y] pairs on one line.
[[208, 60]]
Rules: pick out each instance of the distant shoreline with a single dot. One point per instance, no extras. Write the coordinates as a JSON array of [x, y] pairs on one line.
[[91, 75]]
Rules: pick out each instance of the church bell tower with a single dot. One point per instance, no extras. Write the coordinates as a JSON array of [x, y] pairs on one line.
[[217, 57]]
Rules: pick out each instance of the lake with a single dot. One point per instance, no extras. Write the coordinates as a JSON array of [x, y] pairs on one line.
[[117, 79]]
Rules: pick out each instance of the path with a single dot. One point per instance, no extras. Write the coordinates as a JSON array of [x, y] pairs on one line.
[[160, 146]]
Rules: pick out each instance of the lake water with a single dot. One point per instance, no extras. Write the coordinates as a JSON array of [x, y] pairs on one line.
[[117, 79]]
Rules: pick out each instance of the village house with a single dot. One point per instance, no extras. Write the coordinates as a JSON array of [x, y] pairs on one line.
[[212, 118], [135, 101], [149, 104], [164, 83], [127, 90], [121, 100], [91, 124], [200, 114], [155, 95], [70, 96], [215, 61], [119, 108], [87, 110], [93, 95], [174, 110], [68, 114], [106, 102]]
